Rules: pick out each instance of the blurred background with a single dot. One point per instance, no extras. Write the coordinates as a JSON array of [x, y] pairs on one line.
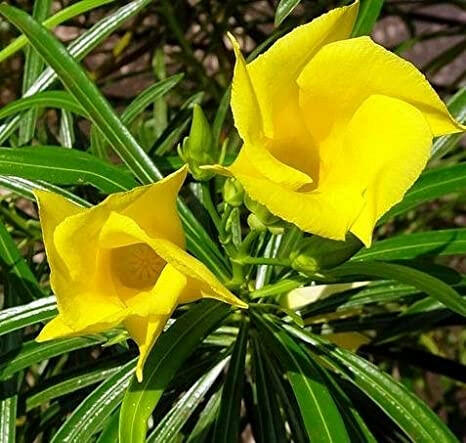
[[181, 36]]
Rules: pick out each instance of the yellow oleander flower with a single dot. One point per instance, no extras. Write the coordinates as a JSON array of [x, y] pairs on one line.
[[122, 262], [335, 129]]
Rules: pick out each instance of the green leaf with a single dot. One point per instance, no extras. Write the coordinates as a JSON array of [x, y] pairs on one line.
[[18, 317], [271, 427], [369, 11], [457, 107], [420, 280], [32, 352], [25, 188], [228, 420], [410, 246], [321, 418], [169, 429], [8, 419], [381, 293], [110, 431], [66, 383], [87, 418], [206, 419], [63, 166], [284, 9], [47, 99], [85, 92], [60, 17], [33, 65], [16, 267], [170, 352], [144, 99], [433, 183], [416, 419]]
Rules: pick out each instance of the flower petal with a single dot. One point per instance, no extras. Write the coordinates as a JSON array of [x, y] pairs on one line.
[[354, 70], [122, 231], [145, 331], [328, 214], [273, 74], [388, 142]]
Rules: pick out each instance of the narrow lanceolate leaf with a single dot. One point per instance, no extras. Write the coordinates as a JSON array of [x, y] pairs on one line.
[[228, 420], [270, 422], [32, 352], [420, 280], [321, 418], [433, 183], [457, 107], [64, 384], [63, 166], [143, 100], [410, 246], [206, 420], [73, 10], [170, 352], [85, 92], [369, 11], [284, 9], [46, 99], [406, 409], [33, 65], [16, 267], [8, 419], [168, 430], [18, 317], [25, 188], [88, 417]]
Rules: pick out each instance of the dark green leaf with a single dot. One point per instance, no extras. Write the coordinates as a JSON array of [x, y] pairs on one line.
[[420, 280], [16, 267], [433, 183], [321, 418], [227, 424], [206, 419], [410, 246], [416, 419]]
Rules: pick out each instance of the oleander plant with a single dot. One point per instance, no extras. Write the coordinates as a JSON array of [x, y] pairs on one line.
[[230, 221]]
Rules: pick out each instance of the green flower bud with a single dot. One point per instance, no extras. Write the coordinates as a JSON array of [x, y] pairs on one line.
[[260, 211], [198, 149], [317, 253], [233, 192]]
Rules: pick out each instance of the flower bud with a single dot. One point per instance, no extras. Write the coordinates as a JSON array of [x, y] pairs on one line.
[[260, 211], [318, 253], [233, 192], [199, 149]]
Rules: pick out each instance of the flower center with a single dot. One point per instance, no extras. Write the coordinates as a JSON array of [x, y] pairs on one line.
[[136, 266]]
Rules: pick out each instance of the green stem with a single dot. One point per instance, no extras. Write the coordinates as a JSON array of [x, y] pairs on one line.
[[278, 288], [210, 207], [247, 242]]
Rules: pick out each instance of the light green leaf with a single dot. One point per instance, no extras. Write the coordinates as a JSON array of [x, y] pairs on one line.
[[63, 166], [369, 11], [284, 9], [18, 317]]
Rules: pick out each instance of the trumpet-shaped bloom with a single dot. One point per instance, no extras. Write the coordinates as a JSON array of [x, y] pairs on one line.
[[335, 129], [122, 262]]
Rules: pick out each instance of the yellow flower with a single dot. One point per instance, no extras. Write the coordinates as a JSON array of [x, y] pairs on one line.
[[335, 129], [122, 262]]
